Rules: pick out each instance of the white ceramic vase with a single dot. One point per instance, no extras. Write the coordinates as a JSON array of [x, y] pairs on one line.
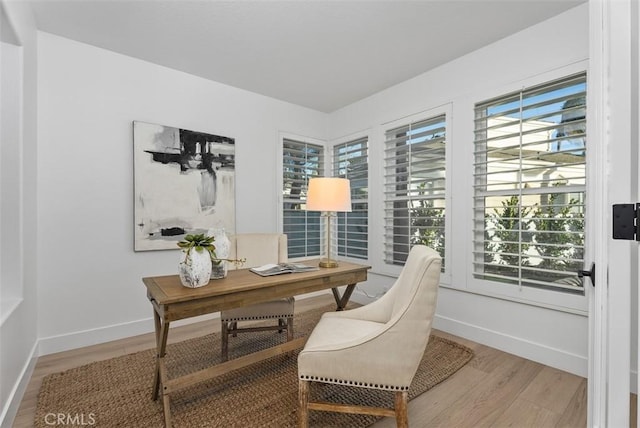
[[223, 248], [195, 268], [221, 242]]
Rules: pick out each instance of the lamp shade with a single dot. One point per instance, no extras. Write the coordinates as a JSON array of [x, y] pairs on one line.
[[329, 194]]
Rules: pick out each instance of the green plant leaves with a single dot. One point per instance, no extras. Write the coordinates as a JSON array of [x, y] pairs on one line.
[[199, 242]]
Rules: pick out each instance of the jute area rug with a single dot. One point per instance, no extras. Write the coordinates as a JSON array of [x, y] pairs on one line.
[[117, 392]]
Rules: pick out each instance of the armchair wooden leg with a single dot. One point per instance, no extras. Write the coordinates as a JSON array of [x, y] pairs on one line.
[[402, 418], [224, 354], [303, 404]]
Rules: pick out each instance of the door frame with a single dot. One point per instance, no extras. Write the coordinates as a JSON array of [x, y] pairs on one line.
[[613, 179]]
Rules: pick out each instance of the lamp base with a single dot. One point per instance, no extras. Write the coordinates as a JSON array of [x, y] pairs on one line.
[[328, 263]]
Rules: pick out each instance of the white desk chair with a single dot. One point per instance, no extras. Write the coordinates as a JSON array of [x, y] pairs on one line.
[[258, 249]]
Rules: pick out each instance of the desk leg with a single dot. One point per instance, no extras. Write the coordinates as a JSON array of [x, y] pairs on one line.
[[341, 301], [161, 342], [162, 331]]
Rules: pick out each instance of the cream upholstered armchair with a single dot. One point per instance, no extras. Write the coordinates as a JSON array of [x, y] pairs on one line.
[[379, 345], [258, 249]]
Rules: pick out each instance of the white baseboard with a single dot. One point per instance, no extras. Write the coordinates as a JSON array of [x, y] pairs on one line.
[[80, 339], [94, 336], [359, 297], [538, 352], [12, 405]]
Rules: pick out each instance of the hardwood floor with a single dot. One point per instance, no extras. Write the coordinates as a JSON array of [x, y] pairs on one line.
[[494, 389]]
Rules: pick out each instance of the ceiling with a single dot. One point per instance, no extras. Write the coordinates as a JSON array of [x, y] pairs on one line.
[[320, 54]]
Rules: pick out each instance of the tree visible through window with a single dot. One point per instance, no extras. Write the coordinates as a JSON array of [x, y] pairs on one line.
[[529, 186]]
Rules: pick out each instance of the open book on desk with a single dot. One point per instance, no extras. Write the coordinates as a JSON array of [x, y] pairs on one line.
[[276, 269]]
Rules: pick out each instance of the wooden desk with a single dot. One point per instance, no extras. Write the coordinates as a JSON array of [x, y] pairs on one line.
[[172, 301]]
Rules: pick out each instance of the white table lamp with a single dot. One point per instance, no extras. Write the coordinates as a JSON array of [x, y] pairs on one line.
[[329, 195]]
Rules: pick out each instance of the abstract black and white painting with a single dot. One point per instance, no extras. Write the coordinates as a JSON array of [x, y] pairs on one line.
[[184, 183]]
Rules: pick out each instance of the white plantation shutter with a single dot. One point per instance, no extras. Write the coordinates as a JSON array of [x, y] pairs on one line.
[[415, 184], [529, 185], [300, 162], [350, 160]]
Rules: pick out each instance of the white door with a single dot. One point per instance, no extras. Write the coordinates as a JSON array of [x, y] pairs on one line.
[[613, 90]]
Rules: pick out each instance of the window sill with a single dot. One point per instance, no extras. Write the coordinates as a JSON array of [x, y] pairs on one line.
[[572, 304], [552, 300]]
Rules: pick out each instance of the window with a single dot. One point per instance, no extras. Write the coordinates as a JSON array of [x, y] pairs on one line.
[[350, 161], [300, 162], [529, 186], [414, 177]]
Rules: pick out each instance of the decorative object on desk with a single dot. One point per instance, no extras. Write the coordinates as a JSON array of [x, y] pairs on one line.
[[184, 182], [195, 267], [330, 195], [220, 266], [223, 246], [276, 269], [117, 390], [219, 269]]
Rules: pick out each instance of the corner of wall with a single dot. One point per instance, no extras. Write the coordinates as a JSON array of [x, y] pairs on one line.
[[11, 406]]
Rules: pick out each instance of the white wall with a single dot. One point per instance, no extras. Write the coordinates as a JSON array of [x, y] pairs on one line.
[[18, 329], [90, 287], [10, 175], [535, 55]]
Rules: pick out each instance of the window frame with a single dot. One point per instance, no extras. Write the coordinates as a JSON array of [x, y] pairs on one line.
[[331, 167], [280, 179], [383, 267], [552, 299]]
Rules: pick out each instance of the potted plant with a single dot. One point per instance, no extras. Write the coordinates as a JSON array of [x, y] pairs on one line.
[[195, 268]]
